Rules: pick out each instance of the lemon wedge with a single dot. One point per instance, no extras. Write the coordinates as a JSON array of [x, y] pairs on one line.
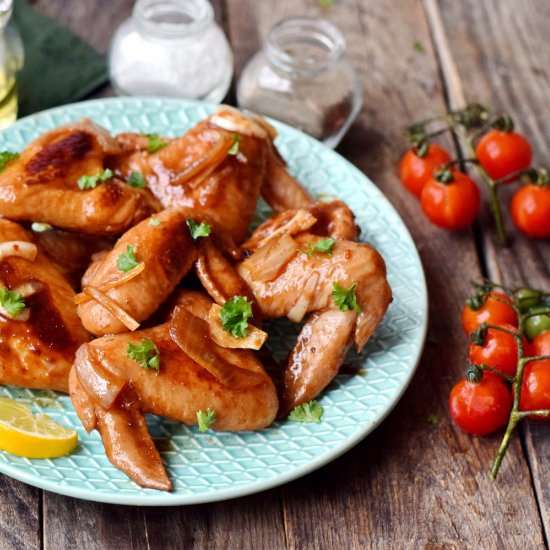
[[32, 436]]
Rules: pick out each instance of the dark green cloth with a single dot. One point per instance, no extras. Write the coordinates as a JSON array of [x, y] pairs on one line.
[[59, 68]]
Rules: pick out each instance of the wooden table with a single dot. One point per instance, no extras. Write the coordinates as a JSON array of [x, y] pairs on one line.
[[410, 484]]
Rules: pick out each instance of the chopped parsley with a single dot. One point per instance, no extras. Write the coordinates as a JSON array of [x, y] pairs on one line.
[[234, 316], [145, 353], [155, 143], [324, 245], [90, 182], [198, 230], [308, 413], [206, 419], [137, 180], [345, 298], [38, 227], [153, 222], [5, 157], [127, 260], [234, 149], [12, 302]]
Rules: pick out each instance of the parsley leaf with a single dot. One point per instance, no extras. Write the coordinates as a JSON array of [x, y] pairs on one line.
[[234, 316], [153, 222], [5, 157], [12, 302], [307, 413], [322, 245], [206, 419], [345, 298], [127, 260], [234, 149], [90, 182], [155, 143], [145, 353], [137, 180], [39, 227], [198, 230]]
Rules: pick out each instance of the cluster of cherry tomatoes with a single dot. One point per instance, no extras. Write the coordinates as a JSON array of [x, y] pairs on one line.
[[451, 199], [482, 402]]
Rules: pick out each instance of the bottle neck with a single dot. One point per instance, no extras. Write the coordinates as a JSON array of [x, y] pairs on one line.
[[172, 19], [304, 46]]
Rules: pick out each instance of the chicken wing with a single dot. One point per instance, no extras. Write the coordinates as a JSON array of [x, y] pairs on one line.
[[41, 185], [111, 392], [37, 347]]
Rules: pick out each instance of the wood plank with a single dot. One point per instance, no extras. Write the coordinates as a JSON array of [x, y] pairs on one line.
[[502, 54], [20, 515], [410, 484]]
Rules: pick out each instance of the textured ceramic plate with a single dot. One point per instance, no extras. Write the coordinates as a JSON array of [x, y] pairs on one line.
[[215, 466]]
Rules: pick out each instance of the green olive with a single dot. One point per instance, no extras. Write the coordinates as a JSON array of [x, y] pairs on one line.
[[536, 324], [526, 298]]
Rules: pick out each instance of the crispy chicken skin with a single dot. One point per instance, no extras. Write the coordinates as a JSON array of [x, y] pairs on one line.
[[111, 392], [39, 352], [41, 185], [286, 282], [200, 170], [167, 251]]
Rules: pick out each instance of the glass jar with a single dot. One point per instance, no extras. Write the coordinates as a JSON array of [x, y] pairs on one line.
[[301, 77], [171, 48], [11, 60]]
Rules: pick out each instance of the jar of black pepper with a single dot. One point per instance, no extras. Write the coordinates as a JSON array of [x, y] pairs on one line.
[[302, 77]]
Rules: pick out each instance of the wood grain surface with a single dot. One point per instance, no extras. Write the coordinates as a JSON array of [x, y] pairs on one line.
[[412, 483]]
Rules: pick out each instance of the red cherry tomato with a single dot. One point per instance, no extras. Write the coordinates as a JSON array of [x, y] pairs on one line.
[[480, 407], [493, 311], [499, 350], [415, 171], [530, 209], [503, 153], [451, 205], [540, 344], [535, 389]]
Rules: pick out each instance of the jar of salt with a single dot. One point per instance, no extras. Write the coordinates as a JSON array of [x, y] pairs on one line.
[[302, 77], [171, 48]]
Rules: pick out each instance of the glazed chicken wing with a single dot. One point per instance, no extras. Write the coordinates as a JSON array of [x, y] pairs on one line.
[[111, 391], [219, 168], [41, 185], [37, 347]]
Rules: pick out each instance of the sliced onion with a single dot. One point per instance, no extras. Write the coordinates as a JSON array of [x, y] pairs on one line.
[[205, 165], [29, 288], [255, 338], [301, 221], [23, 249], [23, 315], [112, 307], [299, 309], [96, 380], [233, 120], [191, 334], [113, 283], [268, 262]]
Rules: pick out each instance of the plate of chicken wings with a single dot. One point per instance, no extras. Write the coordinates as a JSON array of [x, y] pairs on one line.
[[216, 303]]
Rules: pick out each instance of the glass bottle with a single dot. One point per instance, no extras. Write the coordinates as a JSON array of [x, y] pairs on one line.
[[171, 48], [302, 77], [11, 60]]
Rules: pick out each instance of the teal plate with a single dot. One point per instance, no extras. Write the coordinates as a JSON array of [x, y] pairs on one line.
[[214, 466]]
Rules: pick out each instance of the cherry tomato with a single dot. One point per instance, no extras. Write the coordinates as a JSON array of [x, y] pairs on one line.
[[527, 298], [503, 153], [415, 171], [535, 389], [451, 205], [499, 350], [540, 345], [480, 407], [493, 311], [530, 209], [537, 324]]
